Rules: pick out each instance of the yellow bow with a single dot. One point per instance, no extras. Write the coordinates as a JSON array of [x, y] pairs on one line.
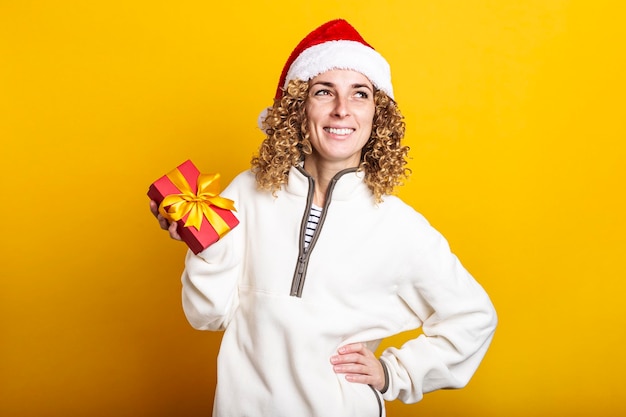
[[197, 205]]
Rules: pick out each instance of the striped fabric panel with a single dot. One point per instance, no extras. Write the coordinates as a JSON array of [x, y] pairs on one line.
[[311, 226]]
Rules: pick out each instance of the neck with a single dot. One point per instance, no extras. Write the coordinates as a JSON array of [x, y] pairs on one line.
[[322, 173]]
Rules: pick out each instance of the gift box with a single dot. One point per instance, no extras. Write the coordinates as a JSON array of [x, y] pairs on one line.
[[192, 199]]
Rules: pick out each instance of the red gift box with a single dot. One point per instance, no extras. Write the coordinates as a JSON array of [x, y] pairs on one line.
[[191, 199]]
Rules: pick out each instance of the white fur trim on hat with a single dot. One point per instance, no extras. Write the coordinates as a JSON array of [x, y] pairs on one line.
[[342, 54]]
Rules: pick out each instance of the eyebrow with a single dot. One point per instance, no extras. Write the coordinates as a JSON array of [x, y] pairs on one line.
[[355, 86]]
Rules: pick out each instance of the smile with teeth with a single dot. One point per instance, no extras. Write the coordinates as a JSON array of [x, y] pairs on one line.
[[339, 131]]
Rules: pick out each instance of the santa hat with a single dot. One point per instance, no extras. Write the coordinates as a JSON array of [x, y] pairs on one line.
[[335, 45]]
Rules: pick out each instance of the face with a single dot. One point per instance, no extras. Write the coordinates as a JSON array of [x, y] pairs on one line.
[[340, 112]]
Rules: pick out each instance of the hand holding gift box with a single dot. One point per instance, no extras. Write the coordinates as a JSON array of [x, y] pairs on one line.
[[192, 200]]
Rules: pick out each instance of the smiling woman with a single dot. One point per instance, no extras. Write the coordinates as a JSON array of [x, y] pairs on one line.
[[327, 261]]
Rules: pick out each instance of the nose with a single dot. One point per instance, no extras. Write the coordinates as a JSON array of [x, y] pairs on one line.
[[341, 108]]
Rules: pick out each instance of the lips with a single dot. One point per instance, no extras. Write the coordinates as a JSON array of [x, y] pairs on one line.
[[339, 130]]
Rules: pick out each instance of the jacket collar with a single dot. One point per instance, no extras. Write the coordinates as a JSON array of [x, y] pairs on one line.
[[349, 183]]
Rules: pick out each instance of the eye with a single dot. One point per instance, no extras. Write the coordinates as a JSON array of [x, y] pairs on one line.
[[322, 92], [362, 94]]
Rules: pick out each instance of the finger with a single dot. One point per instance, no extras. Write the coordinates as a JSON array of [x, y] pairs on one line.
[[351, 348], [347, 358], [360, 379], [154, 208], [163, 222], [352, 369], [173, 229]]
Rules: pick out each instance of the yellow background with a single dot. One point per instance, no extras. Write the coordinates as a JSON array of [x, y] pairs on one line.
[[515, 113]]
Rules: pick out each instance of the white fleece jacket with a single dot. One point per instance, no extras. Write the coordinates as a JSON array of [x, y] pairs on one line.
[[372, 271]]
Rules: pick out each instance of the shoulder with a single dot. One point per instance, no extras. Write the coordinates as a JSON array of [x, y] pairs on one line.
[[402, 211], [409, 225], [242, 183], [415, 241], [244, 179]]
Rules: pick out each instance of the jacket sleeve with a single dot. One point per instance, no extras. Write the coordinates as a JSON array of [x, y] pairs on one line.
[[210, 279], [458, 322]]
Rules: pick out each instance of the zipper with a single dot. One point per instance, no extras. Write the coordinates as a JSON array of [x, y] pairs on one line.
[[297, 283], [303, 255], [298, 279], [380, 403]]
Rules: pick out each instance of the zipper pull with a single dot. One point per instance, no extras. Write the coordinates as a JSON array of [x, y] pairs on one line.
[[296, 287]]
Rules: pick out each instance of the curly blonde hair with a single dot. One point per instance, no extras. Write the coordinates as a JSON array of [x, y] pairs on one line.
[[383, 158]]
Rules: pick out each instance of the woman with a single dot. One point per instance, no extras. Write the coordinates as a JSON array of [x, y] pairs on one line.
[[326, 262]]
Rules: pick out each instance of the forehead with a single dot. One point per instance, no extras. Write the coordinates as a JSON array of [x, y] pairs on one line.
[[342, 76]]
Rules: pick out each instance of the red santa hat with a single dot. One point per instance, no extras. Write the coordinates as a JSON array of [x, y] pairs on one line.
[[334, 45]]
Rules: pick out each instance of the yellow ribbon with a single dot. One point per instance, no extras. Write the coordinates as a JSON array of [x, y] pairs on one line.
[[196, 205]]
